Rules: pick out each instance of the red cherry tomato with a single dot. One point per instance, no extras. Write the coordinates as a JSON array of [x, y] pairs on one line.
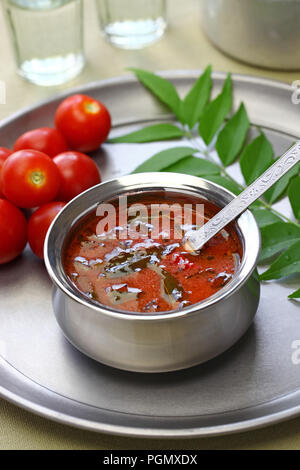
[[78, 172], [46, 140], [4, 154], [13, 231], [39, 223], [84, 122], [30, 178]]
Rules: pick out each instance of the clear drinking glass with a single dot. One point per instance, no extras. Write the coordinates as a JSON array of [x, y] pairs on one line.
[[132, 24], [47, 37]]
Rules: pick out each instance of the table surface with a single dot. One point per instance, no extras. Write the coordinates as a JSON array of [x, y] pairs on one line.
[[184, 46]]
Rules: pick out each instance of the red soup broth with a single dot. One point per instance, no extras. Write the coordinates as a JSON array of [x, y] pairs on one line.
[[140, 272]]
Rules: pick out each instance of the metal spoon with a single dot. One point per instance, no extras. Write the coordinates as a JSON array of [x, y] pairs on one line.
[[195, 239]]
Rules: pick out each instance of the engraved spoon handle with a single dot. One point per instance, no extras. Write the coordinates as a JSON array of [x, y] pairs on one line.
[[197, 238]]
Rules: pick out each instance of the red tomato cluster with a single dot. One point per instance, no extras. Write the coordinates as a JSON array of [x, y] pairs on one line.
[[45, 170]]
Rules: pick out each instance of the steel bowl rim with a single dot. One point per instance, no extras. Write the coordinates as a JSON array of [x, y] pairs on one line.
[[235, 284]]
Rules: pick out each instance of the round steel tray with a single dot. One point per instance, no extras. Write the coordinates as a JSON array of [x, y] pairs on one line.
[[253, 384]]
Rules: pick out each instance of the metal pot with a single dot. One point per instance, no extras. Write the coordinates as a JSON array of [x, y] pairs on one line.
[[260, 32], [154, 342]]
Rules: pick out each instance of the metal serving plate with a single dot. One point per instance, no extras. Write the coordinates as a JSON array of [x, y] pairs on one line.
[[253, 384]]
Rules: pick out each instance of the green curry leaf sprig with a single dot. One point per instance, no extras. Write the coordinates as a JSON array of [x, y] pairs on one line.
[[225, 135]]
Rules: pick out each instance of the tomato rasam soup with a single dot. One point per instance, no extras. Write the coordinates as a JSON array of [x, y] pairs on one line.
[[130, 256]]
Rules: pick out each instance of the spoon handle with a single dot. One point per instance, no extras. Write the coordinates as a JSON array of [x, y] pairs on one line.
[[196, 239]]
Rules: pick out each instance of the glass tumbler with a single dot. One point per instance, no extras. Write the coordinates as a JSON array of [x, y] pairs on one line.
[[132, 24], [47, 37]]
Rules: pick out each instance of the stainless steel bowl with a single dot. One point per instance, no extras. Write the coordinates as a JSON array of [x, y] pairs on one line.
[[260, 32], [156, 342]]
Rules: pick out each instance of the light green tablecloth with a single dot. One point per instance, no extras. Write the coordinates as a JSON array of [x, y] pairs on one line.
[[183, 47]]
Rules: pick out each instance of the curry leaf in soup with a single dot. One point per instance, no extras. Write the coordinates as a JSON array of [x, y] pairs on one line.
[[265, 217], [194, 166], [294, 196], [164, 159], [295, 294], [278, 189], [232, 137], [152, 133], [256, 158], [215, 112], [277, 237], [287, 263], [193, 104], [161, 88]]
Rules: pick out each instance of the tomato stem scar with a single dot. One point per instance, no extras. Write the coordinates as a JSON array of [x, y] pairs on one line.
[[91, 107], [37, 177]]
